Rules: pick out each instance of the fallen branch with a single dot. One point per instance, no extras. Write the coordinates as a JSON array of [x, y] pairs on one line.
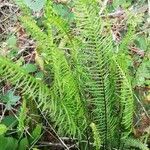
[[56, 145], [7, 4], [119, 12]]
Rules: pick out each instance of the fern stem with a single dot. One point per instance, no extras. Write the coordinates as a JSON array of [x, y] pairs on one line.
[[105, 145]]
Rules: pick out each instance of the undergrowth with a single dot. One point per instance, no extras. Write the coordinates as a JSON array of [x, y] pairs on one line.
[[86, 90]]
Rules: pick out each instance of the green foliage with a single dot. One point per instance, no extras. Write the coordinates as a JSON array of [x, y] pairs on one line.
[[89, 83], [7, 143], [130, 142], [39, 75], [143, 71], [64, 91], [96, 50], [10, 121], [22, 117], [128, 38], [35, 5], [10, 48], [124, 3], [20, 77], [10, 99], [63, 11], [23, 144], [11, 41], [35, 135], [97, 141], [36, 132], [30, 68], [3, 129], [142, 42]]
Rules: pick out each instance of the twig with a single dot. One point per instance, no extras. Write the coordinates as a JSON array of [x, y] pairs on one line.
[[56, 145], [68, 139], [3, 113], [142, 88], [7, 4], [142, 106], [115, 14], [61, 141], [137, 51], [120, 12], [149, 7], [9, 16], [103, 6], [35, 141]]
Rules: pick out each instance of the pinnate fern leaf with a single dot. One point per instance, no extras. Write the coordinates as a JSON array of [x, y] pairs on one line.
[[22, 80]]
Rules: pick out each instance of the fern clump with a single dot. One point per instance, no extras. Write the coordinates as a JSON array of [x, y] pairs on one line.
[[89, 86]]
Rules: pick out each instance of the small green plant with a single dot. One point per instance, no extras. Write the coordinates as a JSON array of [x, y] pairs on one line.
[[23, 143], [10, 99]]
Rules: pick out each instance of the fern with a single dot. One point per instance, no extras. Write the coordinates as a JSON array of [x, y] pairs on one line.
[[97, 141], [58, 103], [93, 86], [125, 104], [23, 81], [130, 142], [129, 37], [126, 99], [65, 96], [95, 56], [22, 117]]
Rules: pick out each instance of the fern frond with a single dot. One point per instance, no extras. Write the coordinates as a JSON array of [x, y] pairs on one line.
[[52, 18], [22, 117], [62, 100], [124, 95], [97, 140], [67, 95], [63, 27], [130, 142], [31, 26], [88, 83], [23, 7], [95, 58], [127, 39], [23, 81], [68, 110]]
